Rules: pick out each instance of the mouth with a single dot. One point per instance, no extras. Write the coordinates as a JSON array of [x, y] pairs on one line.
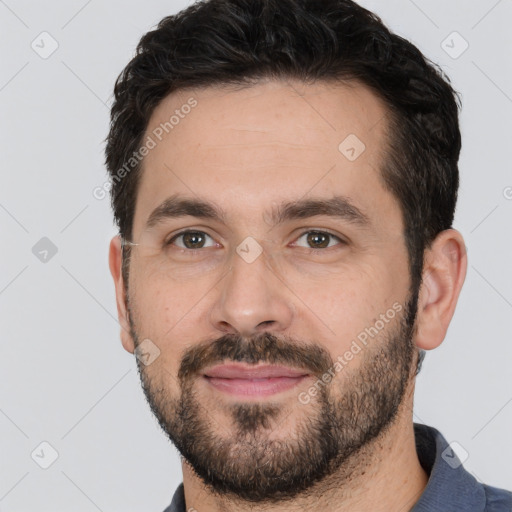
[[256, 381]]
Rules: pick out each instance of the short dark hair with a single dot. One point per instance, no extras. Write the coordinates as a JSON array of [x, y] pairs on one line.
[[238, 42]]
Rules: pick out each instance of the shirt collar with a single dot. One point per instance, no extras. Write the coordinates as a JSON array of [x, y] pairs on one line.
[[450, 486]]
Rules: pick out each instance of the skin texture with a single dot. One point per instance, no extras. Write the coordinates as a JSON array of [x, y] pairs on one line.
[[247, 151]]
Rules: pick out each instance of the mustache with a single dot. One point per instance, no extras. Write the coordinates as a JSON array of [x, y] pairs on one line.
[[262, 348]]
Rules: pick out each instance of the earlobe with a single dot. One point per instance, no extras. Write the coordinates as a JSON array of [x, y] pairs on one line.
[[444, 272], [115, 262]]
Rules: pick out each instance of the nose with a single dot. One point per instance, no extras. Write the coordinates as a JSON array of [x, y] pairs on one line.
[[251, 298]]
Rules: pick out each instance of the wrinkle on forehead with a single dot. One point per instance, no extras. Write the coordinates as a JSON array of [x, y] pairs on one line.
[[257, 108]]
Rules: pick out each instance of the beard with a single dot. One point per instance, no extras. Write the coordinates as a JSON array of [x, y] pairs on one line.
[[244, 459]]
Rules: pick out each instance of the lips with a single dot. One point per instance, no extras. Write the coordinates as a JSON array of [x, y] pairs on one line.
[[237, 371], [253, 381]]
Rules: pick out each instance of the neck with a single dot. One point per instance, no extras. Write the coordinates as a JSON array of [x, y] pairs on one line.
[[384, 475]]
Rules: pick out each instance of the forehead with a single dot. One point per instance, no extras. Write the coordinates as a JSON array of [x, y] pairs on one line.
[[269, 142]]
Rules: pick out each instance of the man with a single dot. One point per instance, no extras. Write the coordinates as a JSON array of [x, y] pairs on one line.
[[284, 181]]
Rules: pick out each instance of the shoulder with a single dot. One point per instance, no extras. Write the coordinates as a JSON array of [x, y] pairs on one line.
[[497, 500]]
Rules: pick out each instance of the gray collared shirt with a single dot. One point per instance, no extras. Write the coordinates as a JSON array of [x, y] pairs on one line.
[[450, 487]]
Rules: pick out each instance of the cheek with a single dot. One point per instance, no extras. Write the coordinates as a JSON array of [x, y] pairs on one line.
[[350, 303], [160, 297], [164, 312]]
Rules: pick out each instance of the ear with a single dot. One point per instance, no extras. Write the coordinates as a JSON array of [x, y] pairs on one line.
[[444, 272], [115, 263]]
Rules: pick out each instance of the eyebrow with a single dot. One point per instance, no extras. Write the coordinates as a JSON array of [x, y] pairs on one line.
[[339, 207]]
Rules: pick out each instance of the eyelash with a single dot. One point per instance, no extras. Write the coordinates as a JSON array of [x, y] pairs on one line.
[[321, 232]]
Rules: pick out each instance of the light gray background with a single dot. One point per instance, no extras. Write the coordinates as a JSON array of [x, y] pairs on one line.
[[65, 378]]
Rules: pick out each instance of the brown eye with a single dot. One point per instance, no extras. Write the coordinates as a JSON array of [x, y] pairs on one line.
[[319, 239], [190, 240]]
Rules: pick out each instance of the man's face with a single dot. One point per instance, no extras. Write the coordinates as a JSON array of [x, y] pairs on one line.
[[321, 290]]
